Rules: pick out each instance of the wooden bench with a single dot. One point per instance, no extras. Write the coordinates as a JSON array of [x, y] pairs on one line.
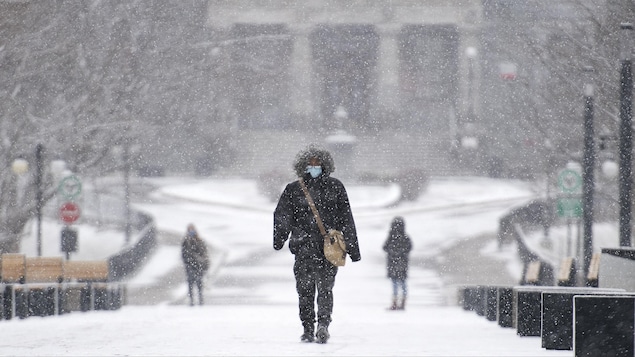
[[44, 269], [532, 276], [13, 268], [594, 270], [86, 270], [566, 273]]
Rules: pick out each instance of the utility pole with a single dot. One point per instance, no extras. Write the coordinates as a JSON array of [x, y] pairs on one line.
[[126, 193], [626, 134], [588, 166], [39, 148]]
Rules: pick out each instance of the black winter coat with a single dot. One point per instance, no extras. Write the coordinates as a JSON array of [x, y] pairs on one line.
[[195, 257], [398, 246], [294, 217]]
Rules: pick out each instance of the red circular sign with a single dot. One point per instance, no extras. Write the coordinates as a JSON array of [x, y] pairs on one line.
[[69, 212]]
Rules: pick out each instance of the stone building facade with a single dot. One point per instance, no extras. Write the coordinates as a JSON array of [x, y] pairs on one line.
[[401, 77]]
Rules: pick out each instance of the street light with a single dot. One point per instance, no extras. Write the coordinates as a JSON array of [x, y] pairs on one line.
[[124, 153], [58, 170], [126, 194], [19, 167], [471, 53], [39, 152], [626, 133], [588, 165], [610, 169]]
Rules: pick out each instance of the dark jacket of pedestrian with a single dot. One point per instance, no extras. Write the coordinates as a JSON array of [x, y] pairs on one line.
[[294, 220], [397, 246], [194, 254]]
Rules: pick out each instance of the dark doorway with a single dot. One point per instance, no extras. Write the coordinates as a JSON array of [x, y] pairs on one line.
[[259, 66], [345, 57], [428, 76]]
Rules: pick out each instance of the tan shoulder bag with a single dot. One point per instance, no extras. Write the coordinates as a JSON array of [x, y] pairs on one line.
[[334, 245]]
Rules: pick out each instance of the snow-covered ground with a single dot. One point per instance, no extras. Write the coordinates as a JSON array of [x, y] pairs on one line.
[[252, 304]]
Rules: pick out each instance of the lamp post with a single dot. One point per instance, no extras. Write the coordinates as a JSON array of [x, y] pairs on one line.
[[471, 52], [626, 134], [39, 151], [126, 194], [588, 165], [19, 168]]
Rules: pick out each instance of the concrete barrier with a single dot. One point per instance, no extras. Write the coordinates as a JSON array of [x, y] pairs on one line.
[[527, 308], [617, 268], [504, 310], [101, 296], [557, 315], [604, 325], [490, 302], [472, 298]]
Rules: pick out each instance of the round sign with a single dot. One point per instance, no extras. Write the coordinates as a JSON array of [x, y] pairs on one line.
[[569, 181], [69, 212], [70, 187]]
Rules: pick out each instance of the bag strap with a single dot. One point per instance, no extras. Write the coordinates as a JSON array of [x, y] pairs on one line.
[[313, 208]]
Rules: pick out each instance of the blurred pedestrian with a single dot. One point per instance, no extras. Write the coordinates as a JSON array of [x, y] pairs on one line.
[[294, 217], [196, 260], [398, 247]]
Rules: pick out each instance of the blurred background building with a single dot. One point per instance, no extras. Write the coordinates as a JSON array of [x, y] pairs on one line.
[[237, 87]]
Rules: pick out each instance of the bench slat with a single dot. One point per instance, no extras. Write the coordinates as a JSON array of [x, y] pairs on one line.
[[533, 272], [594, 267], [86, 270], [44, 269], [12, 267]]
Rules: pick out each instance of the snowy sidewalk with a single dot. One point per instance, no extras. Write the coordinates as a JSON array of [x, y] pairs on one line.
[[252, 304], [264, 330]]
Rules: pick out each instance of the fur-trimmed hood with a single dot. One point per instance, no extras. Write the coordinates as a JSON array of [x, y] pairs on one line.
[[303, 157]]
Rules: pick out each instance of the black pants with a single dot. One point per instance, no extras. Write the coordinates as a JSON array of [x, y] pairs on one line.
[[311, 276], [193, 281]]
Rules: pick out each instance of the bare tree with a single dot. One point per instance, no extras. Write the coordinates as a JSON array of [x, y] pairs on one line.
[[541, 111], [67, 84]]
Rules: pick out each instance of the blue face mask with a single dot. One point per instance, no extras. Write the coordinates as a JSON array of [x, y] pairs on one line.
[[315, 171]]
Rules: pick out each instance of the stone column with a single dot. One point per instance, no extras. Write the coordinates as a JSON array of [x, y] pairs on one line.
[[388, 68], [301, 76]]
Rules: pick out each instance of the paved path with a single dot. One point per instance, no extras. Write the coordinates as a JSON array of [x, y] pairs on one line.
[[463, 263], [457, 265]]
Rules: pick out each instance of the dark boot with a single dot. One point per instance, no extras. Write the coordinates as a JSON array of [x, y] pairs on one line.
[[402, 306], [322, 333], [394, 304], [307, 336]]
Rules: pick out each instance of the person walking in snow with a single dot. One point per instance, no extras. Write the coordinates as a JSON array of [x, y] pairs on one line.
[[293, 219], [196, 260], [398, 247]]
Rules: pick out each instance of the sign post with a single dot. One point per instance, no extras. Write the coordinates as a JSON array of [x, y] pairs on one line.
[[70, 188], [569, 203]]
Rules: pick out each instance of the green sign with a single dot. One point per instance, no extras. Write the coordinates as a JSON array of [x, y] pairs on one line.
[[569, 207], [569, 181], [70, 187]]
